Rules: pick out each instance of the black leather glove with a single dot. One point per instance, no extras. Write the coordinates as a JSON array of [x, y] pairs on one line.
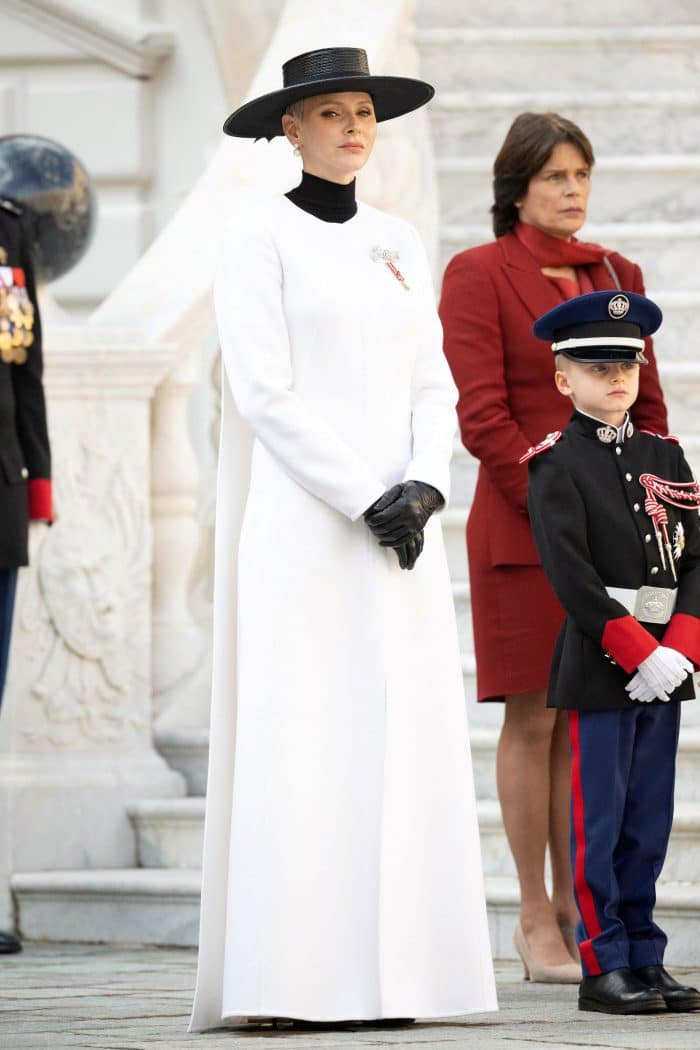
[[385, 500], [397, 517], [409, 553]]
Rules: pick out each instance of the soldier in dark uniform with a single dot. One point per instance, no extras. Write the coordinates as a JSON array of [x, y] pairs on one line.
[[615, 517], [25, 461]]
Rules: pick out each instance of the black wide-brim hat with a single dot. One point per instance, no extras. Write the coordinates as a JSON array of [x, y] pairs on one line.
[[319, 73], [600, 326]]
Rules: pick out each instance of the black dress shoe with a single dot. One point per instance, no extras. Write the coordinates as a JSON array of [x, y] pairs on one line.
[[9, 944], [677, 996], [619, 992], [390, 1022]]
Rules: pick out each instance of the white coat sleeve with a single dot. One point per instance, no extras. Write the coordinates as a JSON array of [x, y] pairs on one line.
[[433, 400], [257, 361]]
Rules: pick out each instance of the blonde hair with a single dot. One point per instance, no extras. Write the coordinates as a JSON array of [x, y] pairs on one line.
[[296, 109]]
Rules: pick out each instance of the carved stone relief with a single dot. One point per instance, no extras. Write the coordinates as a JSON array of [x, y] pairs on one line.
[[86, 605]]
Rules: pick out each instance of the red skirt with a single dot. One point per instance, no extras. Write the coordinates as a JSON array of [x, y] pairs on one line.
[[516, 618]]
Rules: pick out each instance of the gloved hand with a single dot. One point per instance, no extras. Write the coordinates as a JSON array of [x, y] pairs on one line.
[[640, 691], [664, 670], [409, 552], [396, 518]]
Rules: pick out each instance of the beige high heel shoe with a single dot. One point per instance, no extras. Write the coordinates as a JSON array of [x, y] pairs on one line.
[[568, 932], [565, 973]]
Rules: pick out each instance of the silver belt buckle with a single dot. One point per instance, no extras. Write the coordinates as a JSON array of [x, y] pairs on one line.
[[654, 604]]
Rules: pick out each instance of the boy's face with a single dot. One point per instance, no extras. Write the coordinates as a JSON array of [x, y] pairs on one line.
[[604, 390]]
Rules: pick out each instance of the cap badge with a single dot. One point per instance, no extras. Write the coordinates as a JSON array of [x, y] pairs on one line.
[[619, 307], [607, 434]]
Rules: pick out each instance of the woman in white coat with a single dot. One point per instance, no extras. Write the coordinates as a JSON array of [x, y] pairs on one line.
[[342, 876]]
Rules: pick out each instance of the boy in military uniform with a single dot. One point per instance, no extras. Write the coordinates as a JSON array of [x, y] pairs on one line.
[[615, 517], [25, 461]]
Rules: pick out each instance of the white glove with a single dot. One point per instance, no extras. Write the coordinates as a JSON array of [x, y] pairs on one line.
[[664, 670], [639, 690]]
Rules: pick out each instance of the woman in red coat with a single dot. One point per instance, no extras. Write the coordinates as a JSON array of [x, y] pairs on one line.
[[491, 296]]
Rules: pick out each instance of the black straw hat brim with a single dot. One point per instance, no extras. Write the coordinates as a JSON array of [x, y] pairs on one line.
[[392, 97]]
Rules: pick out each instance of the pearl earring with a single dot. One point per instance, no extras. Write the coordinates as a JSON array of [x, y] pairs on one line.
[[297, 151]]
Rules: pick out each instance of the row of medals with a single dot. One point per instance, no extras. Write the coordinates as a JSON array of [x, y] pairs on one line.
[[16, 324]]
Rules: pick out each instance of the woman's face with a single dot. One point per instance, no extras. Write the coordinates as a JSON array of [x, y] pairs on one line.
[[557, 196], [335, 134]]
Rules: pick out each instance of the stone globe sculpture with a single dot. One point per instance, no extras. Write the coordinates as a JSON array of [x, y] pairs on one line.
[[54, 187]]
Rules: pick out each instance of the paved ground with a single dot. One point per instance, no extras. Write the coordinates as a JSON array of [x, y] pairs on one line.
[[71, 997]]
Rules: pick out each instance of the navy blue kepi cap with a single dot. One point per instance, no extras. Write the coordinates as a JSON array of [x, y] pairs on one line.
[[600, 326]]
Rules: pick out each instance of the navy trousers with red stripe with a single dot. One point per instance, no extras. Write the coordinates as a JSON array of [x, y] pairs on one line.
[[622, 780], [8, 583]]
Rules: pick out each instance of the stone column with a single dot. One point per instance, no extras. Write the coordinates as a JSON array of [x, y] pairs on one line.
[[180, 691], [75, 731]]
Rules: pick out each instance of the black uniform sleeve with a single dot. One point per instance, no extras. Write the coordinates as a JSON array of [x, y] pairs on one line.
[[683, 631], [28, 387], [558, 517]]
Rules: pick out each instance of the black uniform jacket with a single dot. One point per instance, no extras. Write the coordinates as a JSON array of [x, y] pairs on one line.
[[25, 462], [587, 511]]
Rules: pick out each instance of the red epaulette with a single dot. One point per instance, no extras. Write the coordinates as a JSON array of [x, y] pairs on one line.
[[664, 437], [548, 442]]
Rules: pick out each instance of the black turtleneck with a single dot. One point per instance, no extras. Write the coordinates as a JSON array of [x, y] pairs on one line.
[[329, 201]]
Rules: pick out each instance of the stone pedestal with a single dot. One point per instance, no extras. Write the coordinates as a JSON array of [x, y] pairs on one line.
[[75, 732]]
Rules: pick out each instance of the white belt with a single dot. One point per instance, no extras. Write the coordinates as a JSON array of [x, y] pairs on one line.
[[648, 604]]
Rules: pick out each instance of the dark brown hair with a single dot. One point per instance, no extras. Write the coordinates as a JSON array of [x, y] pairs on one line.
[[526, 149]]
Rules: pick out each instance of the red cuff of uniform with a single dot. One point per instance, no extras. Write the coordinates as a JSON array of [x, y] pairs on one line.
[[683, 634], [40, 501], [627, 642]]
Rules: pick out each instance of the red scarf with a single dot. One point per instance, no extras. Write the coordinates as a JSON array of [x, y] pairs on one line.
[[548, 251]]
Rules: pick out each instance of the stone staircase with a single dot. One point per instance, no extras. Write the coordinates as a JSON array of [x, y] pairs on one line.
[[629, 73]]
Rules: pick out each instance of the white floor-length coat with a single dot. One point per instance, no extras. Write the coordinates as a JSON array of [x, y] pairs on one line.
[[342, 875]]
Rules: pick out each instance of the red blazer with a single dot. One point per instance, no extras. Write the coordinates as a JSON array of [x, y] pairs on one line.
[[491, 295]]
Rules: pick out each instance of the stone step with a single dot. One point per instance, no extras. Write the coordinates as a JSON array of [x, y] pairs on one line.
[[667, 252], [454, 521], [469, 677], [463, 610], [168, 832], [621, 13], [677, 912], [113, 906], [463, 471], [681, 384], [681, 863], [677, 341], [170, 835], [464, 466], [484, 740], [679, 336], [625, 189], [504, 58], [160, 907], [474, 123]]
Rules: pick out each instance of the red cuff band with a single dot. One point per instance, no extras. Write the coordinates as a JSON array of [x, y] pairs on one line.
[[683, 634], [627, 642], [40, 500]]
